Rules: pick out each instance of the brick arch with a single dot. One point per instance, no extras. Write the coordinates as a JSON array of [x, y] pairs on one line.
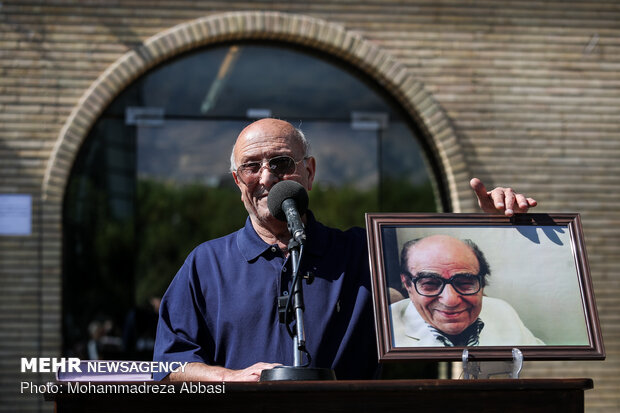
[[313, 33]]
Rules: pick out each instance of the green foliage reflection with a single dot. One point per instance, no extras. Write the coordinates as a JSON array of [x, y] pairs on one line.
[[171, 220], [116, 262]]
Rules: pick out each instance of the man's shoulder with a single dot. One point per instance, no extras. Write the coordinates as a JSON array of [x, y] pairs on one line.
[[215, 245], [353, 233], [345, 243], [224, 239], [399, 306], [207, 257], [497, 308], [495, 302]]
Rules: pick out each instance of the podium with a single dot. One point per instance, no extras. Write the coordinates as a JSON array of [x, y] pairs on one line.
[[490, 395]]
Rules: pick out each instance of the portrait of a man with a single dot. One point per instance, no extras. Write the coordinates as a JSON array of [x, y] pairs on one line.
[[445, 279]]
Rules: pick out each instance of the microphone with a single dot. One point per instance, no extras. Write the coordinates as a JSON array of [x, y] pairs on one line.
[[288, 201]]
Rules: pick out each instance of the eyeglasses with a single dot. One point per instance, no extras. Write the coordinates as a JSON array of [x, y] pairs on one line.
[[278, 165], [432, 285]]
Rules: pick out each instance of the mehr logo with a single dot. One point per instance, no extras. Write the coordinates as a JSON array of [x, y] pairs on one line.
[[51, 365]]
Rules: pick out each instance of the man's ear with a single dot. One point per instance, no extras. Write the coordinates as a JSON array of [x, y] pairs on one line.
[[404, 279], [311, 168], [237, 181]]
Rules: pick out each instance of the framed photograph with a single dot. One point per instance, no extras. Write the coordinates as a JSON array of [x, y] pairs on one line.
[[445, 282]]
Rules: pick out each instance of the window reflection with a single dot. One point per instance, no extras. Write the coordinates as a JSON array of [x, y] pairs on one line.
[[187, 151], [145, 191]]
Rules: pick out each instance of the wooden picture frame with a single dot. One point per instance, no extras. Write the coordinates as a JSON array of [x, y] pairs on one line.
[[538, 267]]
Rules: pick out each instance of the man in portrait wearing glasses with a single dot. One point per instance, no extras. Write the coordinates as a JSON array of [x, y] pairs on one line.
[[220, 311], [445, 279]]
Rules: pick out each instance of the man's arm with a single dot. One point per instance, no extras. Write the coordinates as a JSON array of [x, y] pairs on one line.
[[204, 372], [501, 200]]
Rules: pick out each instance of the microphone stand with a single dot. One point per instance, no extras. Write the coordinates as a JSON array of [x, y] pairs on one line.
[[297, 371], [299, 339]]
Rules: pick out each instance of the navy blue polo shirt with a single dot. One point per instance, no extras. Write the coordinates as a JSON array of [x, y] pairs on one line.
[[221, 307]]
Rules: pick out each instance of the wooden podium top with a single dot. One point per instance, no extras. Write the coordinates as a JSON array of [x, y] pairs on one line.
[[501, 395]]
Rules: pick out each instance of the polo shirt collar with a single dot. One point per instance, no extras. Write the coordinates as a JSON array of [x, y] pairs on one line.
[[252, 246]]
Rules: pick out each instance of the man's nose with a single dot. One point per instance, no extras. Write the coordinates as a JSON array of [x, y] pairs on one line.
[[266, 177], [449, 297]]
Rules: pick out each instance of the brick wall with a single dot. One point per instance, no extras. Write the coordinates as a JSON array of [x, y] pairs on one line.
[[521, 93]]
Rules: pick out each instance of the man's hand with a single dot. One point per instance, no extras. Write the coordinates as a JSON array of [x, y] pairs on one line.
[[501, 200], [204, 372], [251, 373]]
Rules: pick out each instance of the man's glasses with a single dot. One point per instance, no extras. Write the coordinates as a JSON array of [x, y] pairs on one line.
[[278, 165], [432, 285]]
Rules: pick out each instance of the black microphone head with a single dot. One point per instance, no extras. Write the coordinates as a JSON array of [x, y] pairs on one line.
[[284, 190]]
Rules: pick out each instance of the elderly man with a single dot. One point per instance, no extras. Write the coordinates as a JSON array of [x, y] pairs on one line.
[[220, 311], [445, 279]]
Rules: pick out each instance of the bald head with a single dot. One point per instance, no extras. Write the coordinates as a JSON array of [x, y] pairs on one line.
[[257, 144], [265, 129]]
